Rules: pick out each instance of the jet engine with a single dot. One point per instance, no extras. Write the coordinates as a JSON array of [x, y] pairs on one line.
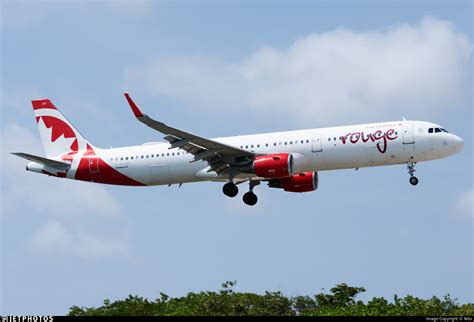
[[279, 165], [301, 182]]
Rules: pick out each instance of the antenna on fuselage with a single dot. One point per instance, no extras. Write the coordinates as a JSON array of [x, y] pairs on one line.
[[403, 117]]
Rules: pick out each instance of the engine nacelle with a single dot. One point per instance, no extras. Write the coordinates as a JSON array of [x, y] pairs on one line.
[[279, 165], [301, 182]]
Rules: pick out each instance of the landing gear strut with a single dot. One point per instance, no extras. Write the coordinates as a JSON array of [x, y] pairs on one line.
[[250, 198], [411, 171], [230, 189]]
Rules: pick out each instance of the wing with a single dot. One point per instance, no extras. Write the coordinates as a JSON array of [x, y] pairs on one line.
[[219, 156]]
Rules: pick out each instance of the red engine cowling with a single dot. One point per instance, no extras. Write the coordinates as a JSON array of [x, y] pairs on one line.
[[273, 165], [280, 165], [302, 182]]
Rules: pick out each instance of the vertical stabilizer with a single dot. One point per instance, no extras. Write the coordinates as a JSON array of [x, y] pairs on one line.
[[58, 135]]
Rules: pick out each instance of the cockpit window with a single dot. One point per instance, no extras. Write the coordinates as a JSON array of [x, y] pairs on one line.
[[436, 130]]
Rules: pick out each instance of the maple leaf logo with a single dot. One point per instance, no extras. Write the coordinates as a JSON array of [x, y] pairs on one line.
[[60, 137]]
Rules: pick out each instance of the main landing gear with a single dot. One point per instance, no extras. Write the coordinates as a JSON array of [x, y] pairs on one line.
[[250, 198], [411, 171], [230, 189]]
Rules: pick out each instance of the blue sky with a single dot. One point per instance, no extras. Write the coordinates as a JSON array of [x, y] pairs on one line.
[[222, 69]]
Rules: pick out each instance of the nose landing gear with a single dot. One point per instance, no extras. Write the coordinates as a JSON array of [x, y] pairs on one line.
[[411, 171]]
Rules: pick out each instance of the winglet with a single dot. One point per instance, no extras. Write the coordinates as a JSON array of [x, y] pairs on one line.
[[134, 106]]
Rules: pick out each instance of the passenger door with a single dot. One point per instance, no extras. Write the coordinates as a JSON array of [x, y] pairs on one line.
[[408, 133], [316, 145]]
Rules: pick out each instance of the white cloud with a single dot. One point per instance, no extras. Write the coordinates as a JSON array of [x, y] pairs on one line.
[[464, 204], [27, 194], [50, 195], [54, 239], [330, 77]]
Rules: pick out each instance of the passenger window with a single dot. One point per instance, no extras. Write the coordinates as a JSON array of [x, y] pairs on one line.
[[430, 130], [131, 158], [307, 141], [126, 158], [437, 130], [266, 144]]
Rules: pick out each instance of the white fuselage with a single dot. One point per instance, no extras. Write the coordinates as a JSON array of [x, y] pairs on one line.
[[356, 146]]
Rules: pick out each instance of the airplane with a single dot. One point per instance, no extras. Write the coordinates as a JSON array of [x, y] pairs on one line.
[[287, 160]]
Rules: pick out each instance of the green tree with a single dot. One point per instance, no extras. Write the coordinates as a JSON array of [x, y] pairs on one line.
[[341, 300]]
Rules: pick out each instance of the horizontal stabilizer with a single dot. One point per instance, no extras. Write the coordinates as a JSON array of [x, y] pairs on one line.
[[45, 161]]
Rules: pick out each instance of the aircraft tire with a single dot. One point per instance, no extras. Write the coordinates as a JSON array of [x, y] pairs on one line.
[[230, 189], [250, 198], [414, 181]]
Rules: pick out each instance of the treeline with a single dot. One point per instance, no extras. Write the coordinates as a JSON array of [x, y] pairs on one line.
[[341, 300]]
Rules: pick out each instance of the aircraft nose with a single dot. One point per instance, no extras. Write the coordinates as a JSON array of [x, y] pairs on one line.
[[458, 143]]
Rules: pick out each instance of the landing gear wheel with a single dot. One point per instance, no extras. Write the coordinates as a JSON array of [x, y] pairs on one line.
[[230, 189], [411, 171], [414, 181], [250, 198]]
